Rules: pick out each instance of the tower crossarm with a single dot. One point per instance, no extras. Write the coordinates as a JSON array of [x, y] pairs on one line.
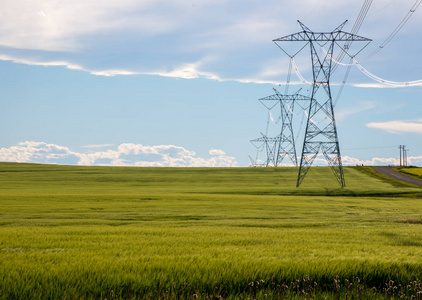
[[338, 36], [279, 97], [266, 139]]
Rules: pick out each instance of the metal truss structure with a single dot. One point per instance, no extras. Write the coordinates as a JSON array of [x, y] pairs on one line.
[[270, 147], [321, 131], [285, 142]]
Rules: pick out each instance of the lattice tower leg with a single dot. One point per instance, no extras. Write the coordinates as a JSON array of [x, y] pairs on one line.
[[321, 131]]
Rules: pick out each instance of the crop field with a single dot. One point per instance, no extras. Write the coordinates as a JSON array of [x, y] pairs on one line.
[[69, 232], [416, 172]]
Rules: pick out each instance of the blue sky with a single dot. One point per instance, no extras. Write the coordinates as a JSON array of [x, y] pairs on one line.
[[177, 83]]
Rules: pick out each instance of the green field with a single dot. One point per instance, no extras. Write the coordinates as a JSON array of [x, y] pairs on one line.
[[70, 232], [415, 172]]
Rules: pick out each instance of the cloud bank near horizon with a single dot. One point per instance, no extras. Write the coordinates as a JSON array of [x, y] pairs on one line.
[[129, 154], [375, 161]]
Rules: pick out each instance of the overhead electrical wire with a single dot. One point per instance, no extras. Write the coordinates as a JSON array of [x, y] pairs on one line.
[[353, 61], [397, 29], [289, 75], [384, 7], [365, 148], [292, 60], [374, 77], [386, 82], [358, 23]]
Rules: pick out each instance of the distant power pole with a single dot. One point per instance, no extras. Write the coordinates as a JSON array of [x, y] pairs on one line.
[[403, 155], [400, 147]]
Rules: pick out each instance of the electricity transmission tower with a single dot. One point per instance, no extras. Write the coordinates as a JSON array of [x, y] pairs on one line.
[[285, 140], [321, 131], [270, 147]]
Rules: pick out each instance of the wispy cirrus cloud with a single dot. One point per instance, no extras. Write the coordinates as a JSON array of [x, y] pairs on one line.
[[66, 64], [383, 86], [358, 107], [397, 127], [167, 38], [127, 154]]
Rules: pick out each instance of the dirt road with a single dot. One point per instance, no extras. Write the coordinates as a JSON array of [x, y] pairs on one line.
[[388, 171]]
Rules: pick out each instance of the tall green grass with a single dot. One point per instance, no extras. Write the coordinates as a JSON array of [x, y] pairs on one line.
[[100, 232]]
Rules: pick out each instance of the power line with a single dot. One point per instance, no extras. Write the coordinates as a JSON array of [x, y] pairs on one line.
[[384, 7], [397, 29], [358, 23], [376, 78], [366, 148], [289, 75], [372, 76]]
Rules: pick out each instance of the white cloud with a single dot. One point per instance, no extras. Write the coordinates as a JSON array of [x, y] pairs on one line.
[[353, 161], [397, 127], [381, 161], [98, 146], [36, 152], [109, 73], [127, 154], [376, 161], [68, 65], [169, 38], [187, 71], [62, 26], [374, 85], [217, 152], [383, 86], [45, 63]]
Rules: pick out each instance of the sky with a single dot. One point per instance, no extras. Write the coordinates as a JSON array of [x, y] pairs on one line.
[[178, 83]]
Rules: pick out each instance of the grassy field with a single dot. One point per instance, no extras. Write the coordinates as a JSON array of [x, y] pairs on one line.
[[415, 172], [71, 232]]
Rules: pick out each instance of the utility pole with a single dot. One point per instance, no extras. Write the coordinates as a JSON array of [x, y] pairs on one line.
[[400, 147], [403, 155]]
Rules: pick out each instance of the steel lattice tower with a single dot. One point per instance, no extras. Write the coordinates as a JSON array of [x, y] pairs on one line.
[[285, 140], [321, 131], [270, 147]]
